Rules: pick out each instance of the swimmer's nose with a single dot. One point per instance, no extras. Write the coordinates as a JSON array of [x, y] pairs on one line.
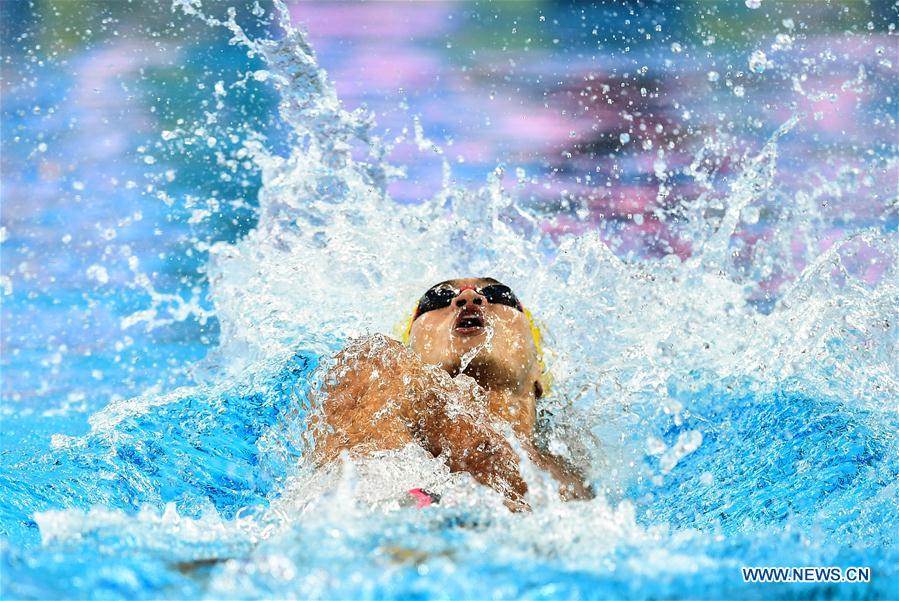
[[469, 295]]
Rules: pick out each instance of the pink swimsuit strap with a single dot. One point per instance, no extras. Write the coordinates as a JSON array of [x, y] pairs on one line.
[[424, 498]]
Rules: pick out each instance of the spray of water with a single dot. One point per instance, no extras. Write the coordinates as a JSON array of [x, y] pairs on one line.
[[640, 351], [333, 257], [469, 356]]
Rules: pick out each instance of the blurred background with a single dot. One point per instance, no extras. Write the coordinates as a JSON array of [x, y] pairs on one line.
[[123, 130]]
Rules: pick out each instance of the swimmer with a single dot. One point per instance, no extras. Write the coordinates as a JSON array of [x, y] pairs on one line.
[[465, 388]]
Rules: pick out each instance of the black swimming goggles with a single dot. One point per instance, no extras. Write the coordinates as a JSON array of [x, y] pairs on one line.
[[442, 295]]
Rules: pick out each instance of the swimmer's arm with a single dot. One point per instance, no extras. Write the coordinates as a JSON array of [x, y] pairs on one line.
[[451, 425], [379, 396], [363, 404], [476, 448], [572, 486]]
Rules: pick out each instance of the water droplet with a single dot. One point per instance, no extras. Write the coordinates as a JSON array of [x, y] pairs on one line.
[[624, 138], [753, 4], [676, 48], [782, 42], [98, 273], [712, 76], [758, 62], [751, 215], [655, 446], [739, 91]]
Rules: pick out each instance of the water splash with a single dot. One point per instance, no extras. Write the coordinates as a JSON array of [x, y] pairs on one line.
[[333, 257], [716, 433]]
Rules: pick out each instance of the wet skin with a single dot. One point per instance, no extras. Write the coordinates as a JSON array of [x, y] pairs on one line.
[[466, 384]]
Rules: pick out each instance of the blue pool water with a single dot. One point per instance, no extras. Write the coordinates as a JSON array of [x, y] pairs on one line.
[[706, 234]]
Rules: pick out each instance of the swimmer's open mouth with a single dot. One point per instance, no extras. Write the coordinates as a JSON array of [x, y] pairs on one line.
[[469, 321]]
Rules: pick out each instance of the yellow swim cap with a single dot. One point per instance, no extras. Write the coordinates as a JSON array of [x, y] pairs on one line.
[[404, 328], [538, 344]]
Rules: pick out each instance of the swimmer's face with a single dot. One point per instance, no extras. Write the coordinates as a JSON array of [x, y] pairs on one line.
[[493, 339]]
